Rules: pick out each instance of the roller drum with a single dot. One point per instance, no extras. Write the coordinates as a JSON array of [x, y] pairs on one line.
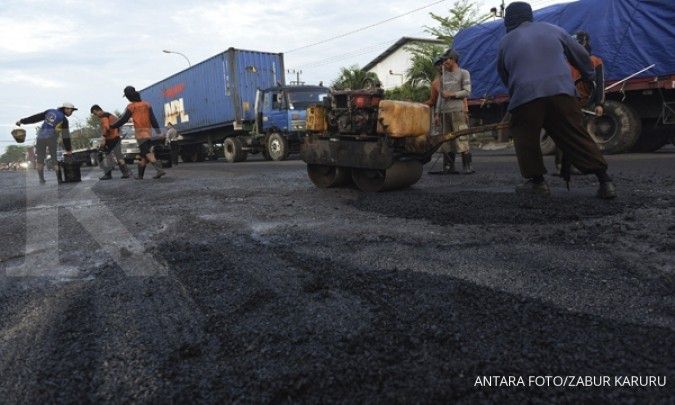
[[398, 175], [324, 176]]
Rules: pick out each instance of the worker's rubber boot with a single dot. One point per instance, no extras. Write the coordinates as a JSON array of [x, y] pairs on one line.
[[158, 166], [126, 173], [466, 163], [606, 190], [535, 186], [106, 176], [41, 175], [449, 163], [141, 172]]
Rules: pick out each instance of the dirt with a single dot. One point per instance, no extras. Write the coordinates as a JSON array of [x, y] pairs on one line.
[[257, 287]]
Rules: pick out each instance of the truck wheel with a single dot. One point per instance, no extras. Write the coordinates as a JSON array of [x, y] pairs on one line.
[[546, 143], [652, 138], [266, 154], [617, 130], [277, 147], [234, 150]]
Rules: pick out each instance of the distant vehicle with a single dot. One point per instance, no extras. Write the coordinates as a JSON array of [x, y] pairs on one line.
[[130, 148], [629, 35], [238, 99]]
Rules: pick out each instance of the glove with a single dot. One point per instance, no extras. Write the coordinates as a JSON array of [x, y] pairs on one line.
[[18, 123]]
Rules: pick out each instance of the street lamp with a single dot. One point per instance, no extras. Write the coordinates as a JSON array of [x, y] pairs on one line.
[[178, 53]]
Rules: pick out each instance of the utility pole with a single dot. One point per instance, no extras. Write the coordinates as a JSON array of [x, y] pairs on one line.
[[297, 74]]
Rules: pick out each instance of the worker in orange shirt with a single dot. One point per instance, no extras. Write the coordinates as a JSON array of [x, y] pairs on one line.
[[144, 122], [111, 144]]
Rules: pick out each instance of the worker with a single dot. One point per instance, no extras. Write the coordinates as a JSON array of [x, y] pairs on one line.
[[435, 89], [591, 98], [111, 144], [54, 123], [144, 121], [453, 89], [172, 136], [532, 64]]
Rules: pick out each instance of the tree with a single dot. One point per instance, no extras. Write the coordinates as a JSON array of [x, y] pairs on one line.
[[463, 14], [354, 78], [408, 92], [14, 153], [422, 70]]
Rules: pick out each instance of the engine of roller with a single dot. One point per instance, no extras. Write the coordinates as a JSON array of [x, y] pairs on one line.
[[354, 112]]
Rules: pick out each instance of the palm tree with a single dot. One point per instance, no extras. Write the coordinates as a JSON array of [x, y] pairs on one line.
[[354, 78]]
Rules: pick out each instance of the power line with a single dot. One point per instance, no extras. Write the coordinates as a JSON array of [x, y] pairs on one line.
[[366, 27], [340, 57]]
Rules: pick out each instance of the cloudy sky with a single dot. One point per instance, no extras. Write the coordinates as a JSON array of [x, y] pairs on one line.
[[86, 51]]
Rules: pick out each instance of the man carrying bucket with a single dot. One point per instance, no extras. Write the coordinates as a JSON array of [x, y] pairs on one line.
[[55, 123]]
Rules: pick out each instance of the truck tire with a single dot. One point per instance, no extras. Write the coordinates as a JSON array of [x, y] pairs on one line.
[[652, 139], [617, 130], [265, 154], [546, 143], [277, 147], [233, 150]]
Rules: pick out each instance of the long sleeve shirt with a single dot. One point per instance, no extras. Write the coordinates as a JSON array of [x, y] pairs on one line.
[[54, 123], [144, 120], [533, 62]]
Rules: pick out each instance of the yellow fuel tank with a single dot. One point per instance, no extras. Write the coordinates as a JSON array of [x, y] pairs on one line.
[[403, 119]]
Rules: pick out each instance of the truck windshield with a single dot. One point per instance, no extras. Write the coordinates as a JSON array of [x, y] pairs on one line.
[[301, 99]]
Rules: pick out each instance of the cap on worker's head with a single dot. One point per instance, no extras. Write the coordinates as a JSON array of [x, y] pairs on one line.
[[131, 94], [439, 61], [517, 13], [451, 54], [129, 90], [95, 107], [68, 105]]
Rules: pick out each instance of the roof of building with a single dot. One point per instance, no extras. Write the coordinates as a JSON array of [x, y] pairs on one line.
[[398, 44]]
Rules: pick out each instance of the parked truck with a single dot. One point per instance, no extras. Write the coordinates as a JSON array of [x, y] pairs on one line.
[[635, 39], [238, 100]]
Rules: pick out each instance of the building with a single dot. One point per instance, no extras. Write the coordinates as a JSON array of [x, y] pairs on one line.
[[391, 65]]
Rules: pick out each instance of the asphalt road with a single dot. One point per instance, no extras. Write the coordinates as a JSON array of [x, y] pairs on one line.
[[245, 283]]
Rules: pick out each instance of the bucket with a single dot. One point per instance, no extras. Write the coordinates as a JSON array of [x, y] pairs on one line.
[[19, 134]]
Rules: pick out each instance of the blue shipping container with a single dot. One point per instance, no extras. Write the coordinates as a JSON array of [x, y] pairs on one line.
[[217, 92]]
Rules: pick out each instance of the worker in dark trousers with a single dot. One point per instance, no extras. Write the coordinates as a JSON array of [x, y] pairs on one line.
[[111, 144], [453, 88], [144, 122], [591, 98], [54, 123], [532, 63]]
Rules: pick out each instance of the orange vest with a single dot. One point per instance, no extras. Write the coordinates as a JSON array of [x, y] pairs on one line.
[[140, 114], [108, 133], [582, 88]]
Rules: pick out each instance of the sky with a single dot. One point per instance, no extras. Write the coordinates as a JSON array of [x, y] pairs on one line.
[[86, 51]]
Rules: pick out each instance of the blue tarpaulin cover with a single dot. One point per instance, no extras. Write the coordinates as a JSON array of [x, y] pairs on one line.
[[628, 35]]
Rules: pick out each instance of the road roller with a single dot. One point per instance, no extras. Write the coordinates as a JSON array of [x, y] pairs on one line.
[[356, 136]]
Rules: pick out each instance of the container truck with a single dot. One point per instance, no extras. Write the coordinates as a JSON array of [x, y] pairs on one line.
[[237, 99], [629, 35]]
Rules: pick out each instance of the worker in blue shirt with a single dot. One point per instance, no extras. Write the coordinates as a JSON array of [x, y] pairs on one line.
[[54, 123], [533, 64]]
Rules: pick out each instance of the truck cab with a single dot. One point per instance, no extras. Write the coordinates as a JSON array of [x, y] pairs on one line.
[[281, 117]]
